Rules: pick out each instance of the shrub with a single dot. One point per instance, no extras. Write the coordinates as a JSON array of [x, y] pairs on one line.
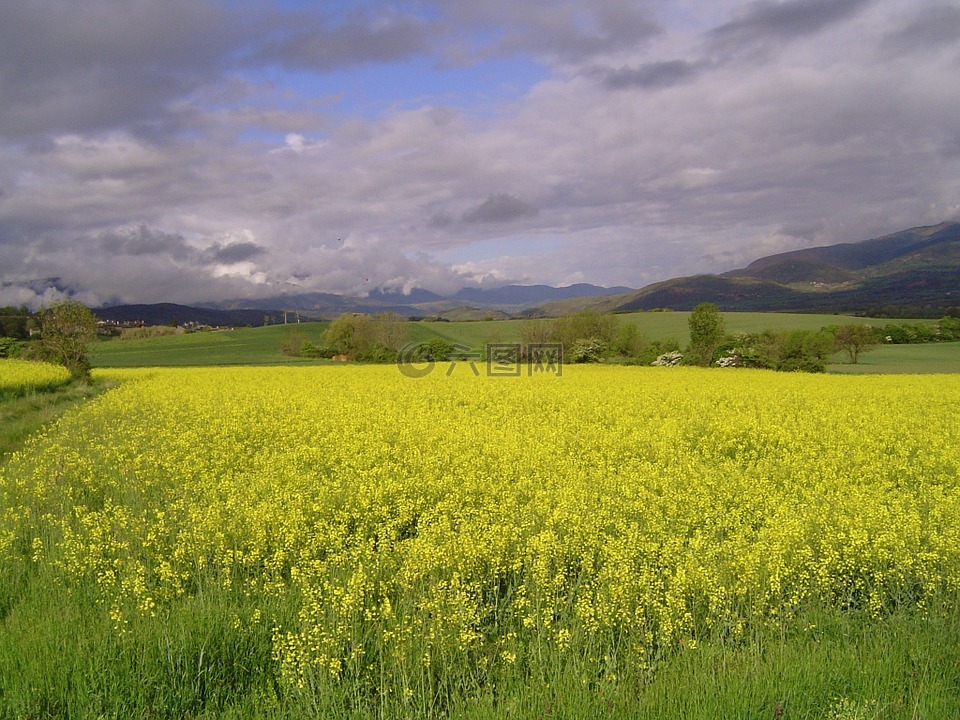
[[590, 350], [629, 341], [797, 350], [669, 359], [436, 350], [949, 329], [9, 347]]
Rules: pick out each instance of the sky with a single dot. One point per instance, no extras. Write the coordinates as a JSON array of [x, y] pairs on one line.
[[201, 150]]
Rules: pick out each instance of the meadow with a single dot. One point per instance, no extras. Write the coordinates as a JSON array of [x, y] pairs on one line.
[[614, 542], [262, 346], [928, 358]]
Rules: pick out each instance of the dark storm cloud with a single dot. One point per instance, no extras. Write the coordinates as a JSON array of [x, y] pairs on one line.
[[441, 219], [98, 65], [233, 253], [500, 208], [931, 28], [306, 41], [86, 67], [142, 240], [651, 76], [766, 20], [759, 28]]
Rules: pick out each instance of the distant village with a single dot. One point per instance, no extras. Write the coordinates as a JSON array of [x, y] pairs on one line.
[[131, 329]]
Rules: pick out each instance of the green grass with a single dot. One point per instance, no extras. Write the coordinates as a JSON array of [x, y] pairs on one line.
[[248, 346], [263, 346], [657, 325], [22, 416], [927, 358], [829, 665], [59, 657]]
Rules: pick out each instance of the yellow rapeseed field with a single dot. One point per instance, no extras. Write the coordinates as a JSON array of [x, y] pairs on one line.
[[383, 525], [19, 376]]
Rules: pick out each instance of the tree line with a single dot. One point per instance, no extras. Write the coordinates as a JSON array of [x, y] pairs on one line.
[[64, 331], [67, 328], [591, 337]]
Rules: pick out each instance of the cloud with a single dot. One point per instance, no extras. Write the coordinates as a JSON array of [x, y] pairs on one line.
[[141, 240], [500, 208], [306, 41], [773, 21], [931, 28], [441, 219], [651, 76], [137, 165], [557, 30], [232, 253], [86, 67]]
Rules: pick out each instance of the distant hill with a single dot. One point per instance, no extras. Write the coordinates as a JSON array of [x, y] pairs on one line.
[[170, 313], [420, 302], [417, 295], [846, 261], [466, 304], [322, 304], [917, 269], [531, 294]]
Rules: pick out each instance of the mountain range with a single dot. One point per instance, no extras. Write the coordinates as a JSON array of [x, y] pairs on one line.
[[506, 298], [914, 272], [910, 273], [467, 304]]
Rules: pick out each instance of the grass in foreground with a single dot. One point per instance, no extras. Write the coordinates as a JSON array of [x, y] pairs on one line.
[[60, 660], [623, 542], [22, 416]]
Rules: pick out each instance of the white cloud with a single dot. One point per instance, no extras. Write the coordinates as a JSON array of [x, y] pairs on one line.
[[654, 149]]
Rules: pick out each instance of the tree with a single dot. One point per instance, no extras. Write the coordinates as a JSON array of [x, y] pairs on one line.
[[390, 331], [584, 325], [854, 339], [706, 334], [350, 334], [293, 343], [803, 350], [629, 341], [66, 330], [14, 322], [537, 331]]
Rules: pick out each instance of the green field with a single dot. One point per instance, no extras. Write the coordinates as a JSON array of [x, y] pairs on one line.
[[656, 325], [248, 346], [928, 358], [262, 346]]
